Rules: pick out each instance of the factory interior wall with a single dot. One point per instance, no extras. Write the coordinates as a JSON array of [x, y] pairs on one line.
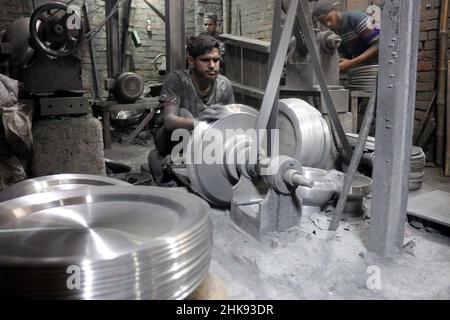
[[250, 18]]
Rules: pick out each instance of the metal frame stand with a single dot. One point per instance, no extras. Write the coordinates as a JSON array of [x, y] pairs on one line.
[[258, 209], [175, 35], [395, 119], [112, 39]]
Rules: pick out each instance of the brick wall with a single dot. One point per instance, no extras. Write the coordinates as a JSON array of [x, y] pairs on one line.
[[428, 55], [12, 10], [189, 19], [254, 18]]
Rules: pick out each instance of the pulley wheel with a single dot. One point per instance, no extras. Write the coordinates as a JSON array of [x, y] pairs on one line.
[[304, 133], [211, 180]]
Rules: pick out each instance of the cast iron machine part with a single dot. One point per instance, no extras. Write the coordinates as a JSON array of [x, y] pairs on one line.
[[53, 32], [126, 88], [329, 41], [45, 58]]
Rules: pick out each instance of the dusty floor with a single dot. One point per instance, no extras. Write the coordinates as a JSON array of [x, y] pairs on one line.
[[307, 262]]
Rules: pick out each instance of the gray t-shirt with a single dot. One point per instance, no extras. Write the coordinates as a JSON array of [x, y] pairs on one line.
[[180, 90], [358, 34]]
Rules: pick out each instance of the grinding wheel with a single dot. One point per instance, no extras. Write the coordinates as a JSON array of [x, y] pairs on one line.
[[211, 180], [304, 133]]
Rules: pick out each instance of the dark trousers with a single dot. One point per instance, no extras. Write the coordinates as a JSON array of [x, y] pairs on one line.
[[163, 142]]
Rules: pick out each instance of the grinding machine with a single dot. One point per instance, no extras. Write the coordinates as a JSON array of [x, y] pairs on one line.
[[288, 176], [250, 61], [43, 52], [44, 57], [266, 193]]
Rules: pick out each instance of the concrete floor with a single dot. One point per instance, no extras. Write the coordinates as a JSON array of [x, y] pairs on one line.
[[308, 262]]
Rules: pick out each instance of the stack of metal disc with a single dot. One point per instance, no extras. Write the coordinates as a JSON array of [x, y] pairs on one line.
[[304, 133], [59, 182], [418, 160], [362, 78], [104, 243]]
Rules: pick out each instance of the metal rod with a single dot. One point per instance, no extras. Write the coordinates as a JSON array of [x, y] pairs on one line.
[[440, 115], [356, 159], [275, 42], [226, 16], [175, 35], [447, 126], [94, 71], [424, 121], [301, 45], [125, 33], [112, 38], [428, 133], [107, 129], [276, 70], [155, 10], [299, 180], [304, 19], [139, 128], [395, 119], [443, 116], [112, 11]]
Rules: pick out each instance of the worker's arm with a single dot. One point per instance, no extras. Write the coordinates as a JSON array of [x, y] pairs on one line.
[[170, 100], [173, 121], [368, 55]]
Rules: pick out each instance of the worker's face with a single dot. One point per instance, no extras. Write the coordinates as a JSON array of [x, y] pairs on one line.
[[207, 65], [210, 26], [332, 20]]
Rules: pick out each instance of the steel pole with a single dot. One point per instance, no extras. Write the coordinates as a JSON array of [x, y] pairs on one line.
[[395, 119]]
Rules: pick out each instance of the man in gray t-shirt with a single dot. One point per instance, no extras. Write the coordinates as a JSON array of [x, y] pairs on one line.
[[189, 93]]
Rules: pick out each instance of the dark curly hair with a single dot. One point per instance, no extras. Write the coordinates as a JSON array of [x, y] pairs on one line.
[[201, 45]]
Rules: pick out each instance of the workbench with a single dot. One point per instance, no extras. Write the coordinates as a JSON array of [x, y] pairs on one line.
[[106, 107]]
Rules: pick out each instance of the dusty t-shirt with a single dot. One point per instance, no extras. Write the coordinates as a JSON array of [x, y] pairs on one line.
[[358, 34], [181, 91]]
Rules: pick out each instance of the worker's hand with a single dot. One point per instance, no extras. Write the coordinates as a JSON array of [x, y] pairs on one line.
[[345, 65], [214, 113]]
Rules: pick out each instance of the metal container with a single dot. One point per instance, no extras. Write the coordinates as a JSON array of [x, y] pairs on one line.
[[322, 191]]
